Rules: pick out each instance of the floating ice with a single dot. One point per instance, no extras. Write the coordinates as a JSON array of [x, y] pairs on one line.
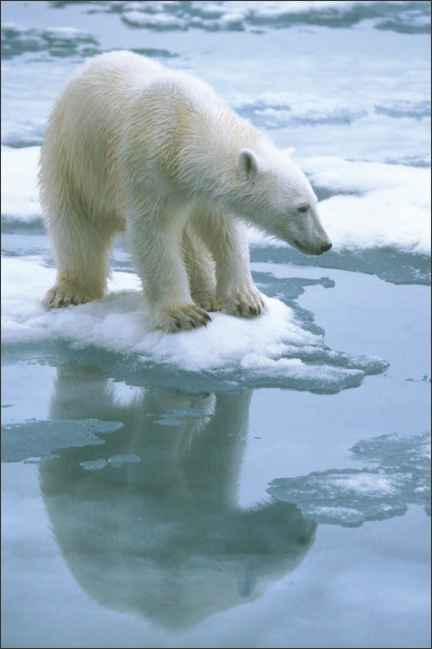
[[19, 189], [58, 42], [25, 111], [411, 17], [405, 108], [41, 438], [279, 109], [124, 458], [275, 349], [397, 474], [275, 110], [24, 132], [160, 21], [55, 41]]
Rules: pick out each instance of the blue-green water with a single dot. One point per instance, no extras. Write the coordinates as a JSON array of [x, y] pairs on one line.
[[273, 493]]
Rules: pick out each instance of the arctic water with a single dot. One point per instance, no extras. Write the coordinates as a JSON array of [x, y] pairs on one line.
[[258, 483]]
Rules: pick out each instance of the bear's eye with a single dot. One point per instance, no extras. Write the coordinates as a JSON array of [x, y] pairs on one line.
[[303, 208]]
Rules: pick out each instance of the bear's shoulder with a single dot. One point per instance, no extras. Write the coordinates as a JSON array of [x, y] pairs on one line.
[[178, 87]]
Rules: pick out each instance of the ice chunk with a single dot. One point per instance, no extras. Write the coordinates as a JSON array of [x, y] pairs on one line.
[[55, 41], [274, 349], [160, 21], [397, 474], [19, 189], [289, 108], [124, 458], [252, 14], [40, 438]]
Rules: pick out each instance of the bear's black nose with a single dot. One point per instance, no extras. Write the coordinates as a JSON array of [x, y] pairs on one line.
[[325, 247]]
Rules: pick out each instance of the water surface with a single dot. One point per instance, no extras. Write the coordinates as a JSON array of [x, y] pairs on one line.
[[185, 491]]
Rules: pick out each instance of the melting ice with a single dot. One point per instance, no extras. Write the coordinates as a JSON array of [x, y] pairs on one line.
[[395, 474], [275, 349]]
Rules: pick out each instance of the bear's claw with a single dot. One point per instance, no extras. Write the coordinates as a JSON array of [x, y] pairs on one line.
[[244, 302], [59, 296], [207, 302], [183, 317]]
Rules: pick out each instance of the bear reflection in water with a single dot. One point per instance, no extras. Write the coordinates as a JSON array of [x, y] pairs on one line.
[[149, 522]]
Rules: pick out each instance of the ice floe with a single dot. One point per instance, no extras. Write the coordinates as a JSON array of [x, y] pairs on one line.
[[55, 41], [396, 473], [19, 187], [35, 439], [409, 17], [275, 349], [274, 110]]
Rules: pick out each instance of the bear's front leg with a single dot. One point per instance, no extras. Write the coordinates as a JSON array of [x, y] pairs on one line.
[[245, 301], [235, 290], [156, 244]]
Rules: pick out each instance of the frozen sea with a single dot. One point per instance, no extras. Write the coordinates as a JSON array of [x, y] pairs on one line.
[[260, 483]]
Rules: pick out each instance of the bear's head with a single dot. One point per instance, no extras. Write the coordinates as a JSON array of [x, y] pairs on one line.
[[277, 197]]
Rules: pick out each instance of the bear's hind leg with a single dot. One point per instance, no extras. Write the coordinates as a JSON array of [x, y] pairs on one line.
[[201, 269], [81, 253]]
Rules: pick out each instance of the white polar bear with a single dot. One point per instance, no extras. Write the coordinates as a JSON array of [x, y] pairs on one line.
[[134, 146]]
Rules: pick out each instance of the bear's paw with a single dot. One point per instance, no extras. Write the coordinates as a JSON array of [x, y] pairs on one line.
[[61, 296], [246, 302], [207, 301], [182, 317]]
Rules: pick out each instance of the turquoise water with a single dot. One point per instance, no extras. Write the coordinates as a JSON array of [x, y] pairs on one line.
[[184, 491]]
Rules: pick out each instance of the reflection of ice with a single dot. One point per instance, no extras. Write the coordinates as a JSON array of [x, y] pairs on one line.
[[278, 348], [149, 521], [397, 474]]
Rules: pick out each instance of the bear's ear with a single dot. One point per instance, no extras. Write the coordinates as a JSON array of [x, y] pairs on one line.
[[248, 163]]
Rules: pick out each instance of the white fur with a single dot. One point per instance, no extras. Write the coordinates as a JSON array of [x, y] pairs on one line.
[[132, 145]]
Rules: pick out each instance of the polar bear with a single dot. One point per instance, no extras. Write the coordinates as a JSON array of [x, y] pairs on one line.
[[134, 146]]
